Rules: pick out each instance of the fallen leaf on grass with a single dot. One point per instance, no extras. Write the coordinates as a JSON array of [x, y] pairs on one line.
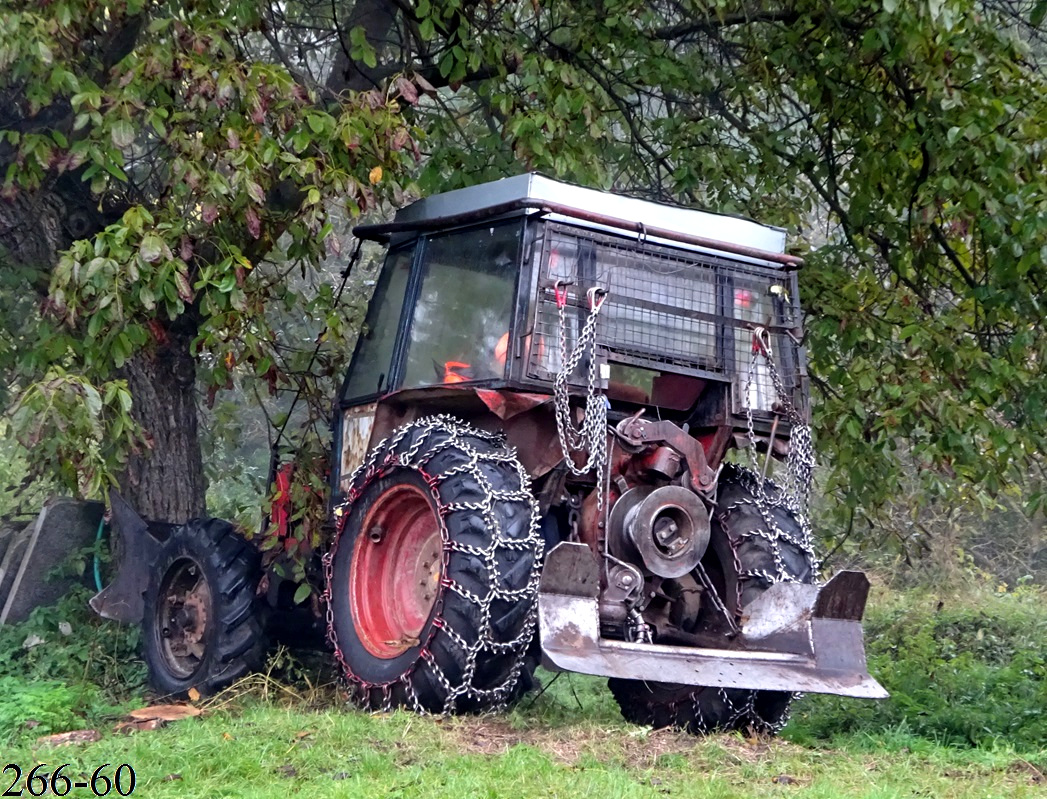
[[194, 695], [287, 771], [171, 778], [784, 779], [71, 737], [165, 712], [136, 725]]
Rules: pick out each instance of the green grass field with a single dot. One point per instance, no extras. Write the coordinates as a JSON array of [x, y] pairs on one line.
[[967, 718], [570, 742]]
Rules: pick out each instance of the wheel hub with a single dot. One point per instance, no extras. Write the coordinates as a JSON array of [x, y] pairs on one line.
[[397, 566], [183, 612]]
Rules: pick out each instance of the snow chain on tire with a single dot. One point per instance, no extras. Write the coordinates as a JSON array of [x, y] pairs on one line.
[[472, 652]]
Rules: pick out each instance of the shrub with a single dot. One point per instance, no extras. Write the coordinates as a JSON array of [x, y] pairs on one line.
[[68, 642], [964, 671]]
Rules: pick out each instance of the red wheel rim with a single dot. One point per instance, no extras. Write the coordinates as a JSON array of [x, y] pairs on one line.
[[394, 578]]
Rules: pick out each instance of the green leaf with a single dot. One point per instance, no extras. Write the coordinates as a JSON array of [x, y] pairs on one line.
[[1037, 14], [302, 593], [122, 133], [152, 248]]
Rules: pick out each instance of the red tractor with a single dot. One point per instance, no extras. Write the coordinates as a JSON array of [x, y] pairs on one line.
[[529, 467]]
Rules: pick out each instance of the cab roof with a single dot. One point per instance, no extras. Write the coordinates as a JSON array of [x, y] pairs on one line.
[[603, 210]]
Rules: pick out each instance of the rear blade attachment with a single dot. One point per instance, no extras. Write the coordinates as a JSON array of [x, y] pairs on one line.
[[798, 638]]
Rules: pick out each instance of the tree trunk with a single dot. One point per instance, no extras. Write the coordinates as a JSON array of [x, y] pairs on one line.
[[167, 482]]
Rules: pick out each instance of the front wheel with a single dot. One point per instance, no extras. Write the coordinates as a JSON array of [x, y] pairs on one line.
[[201, 627], [432, 581], [756, 541]]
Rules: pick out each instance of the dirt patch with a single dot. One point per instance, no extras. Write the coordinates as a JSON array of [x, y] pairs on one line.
[[635, 749], [1024, 767]]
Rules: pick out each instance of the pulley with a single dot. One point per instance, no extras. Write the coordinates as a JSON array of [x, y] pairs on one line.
[[667, 528]]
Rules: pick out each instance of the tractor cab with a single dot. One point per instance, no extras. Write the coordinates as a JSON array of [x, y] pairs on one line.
[[484, 289]]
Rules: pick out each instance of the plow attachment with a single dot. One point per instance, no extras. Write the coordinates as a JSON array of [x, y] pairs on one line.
[[797, 638]]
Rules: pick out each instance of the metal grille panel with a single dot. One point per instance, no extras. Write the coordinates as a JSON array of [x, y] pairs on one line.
[[667, 310]]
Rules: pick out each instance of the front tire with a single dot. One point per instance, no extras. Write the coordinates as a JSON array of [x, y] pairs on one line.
[[433, 578], [757, 539], [201, 627]]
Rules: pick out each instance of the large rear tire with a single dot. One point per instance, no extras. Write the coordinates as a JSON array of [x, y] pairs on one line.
[[756, 540], [202, 627], [433, 578]]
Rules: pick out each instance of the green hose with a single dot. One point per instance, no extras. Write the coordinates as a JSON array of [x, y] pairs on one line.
[[97, 560]]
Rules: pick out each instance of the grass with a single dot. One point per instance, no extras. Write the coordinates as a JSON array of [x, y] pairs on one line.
[[967, 718], [259, 740]]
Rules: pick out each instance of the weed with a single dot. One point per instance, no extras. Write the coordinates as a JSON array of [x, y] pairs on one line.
[[67, 642]]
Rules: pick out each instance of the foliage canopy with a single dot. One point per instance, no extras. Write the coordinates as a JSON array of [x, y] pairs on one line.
[[166, 166]]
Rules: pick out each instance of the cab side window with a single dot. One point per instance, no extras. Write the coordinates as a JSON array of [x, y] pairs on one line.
[[460, 325]]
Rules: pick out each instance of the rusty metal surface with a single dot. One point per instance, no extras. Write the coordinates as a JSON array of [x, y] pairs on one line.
[[533, 434], [357, 426], [843, 597], [640, 432], [832, 659], [570, 570], [507, 404]]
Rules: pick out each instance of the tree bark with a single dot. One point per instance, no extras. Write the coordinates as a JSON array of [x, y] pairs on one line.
[[167, 482]]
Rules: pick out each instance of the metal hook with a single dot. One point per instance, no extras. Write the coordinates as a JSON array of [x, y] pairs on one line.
[[561, 294], [761, 341], [593, 293]]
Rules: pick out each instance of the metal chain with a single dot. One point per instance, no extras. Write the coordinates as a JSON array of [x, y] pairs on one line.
[[767, 498], [434, 435], [800, 460], [590, 437]]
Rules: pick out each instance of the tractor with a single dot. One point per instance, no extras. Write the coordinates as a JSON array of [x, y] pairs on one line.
[[553, 446]]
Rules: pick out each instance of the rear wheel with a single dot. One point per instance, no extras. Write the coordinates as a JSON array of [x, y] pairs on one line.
[[756, 540], [201, 627], [432, 581]]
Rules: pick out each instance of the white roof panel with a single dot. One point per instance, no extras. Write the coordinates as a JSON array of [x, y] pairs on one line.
[[731, 229]]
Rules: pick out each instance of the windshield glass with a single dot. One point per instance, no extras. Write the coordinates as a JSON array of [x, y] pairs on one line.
[[460, 327], [369, 373]]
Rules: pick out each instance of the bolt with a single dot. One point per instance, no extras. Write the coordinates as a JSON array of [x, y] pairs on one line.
[[625, 579], [665, 531]]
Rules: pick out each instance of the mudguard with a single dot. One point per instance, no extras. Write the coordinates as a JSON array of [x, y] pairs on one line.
[[135, 543]]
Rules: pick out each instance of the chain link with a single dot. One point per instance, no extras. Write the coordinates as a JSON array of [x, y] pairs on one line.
[[434, 435], [769, 500], [800, 461], [590, 437]]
